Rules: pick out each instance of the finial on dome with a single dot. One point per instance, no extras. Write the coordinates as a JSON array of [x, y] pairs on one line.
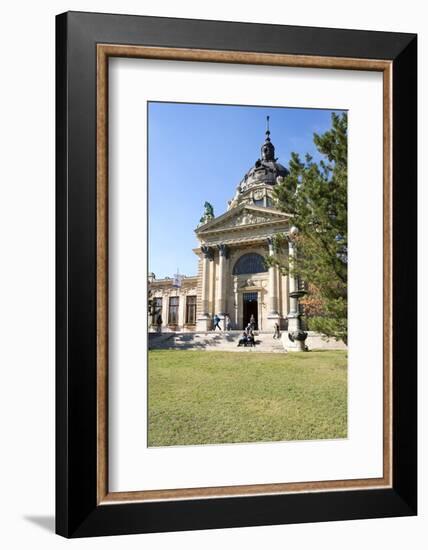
[[268, 150], [267, 129]]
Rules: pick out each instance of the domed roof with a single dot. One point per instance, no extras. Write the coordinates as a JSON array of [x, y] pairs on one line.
[[256, 186], [265, 170]]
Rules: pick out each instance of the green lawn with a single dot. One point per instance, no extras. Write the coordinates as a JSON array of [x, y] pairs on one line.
[[200, 397]]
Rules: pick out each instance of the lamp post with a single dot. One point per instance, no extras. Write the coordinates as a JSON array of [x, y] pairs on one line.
[[296, 335]]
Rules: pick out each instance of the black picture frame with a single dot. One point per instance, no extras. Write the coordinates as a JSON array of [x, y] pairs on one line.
[[77, 511]]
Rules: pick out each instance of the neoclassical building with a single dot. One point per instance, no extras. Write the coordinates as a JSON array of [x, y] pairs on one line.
[[232, 276]]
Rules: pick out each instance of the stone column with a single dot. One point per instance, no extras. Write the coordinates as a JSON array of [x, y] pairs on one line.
[[165, 310], [204, 320], [273, 287], [221, 287], [273, 314], [206, 258], [235, 306], [181, 310], [260, 305]]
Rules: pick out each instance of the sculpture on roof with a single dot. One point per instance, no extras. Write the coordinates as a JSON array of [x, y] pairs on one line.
[[208, 214]]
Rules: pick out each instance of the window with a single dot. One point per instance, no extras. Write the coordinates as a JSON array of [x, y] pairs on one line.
[[173, 310], [249, 263], [157, 309], [250, 296], [191, 310]]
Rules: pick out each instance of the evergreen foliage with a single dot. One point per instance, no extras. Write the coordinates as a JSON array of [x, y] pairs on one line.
[[316, 195]]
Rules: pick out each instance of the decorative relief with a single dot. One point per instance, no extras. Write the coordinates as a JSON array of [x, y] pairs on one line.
[[246, 218], [223, 250], [188, 290], [251, 283], [207, 252]]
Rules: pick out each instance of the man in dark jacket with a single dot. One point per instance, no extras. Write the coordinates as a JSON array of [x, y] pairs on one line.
[[216, 321]]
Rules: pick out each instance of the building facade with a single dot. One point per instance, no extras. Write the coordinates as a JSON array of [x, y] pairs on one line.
[[233, 278]]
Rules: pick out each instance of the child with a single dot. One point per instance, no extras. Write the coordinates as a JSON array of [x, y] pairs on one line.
[[243, 340]]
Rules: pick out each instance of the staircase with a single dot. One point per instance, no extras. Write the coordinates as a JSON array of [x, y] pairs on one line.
[[214, 341]]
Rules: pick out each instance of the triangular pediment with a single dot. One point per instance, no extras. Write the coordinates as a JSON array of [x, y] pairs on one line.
[[243, 216]]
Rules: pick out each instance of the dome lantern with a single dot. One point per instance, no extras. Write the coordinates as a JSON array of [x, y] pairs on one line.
[[268, 149], [263, 175]]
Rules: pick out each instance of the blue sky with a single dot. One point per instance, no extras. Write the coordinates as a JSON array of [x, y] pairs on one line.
[[199, 153]]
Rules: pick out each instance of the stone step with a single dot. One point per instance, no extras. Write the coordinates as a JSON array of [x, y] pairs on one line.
[[226, 341]]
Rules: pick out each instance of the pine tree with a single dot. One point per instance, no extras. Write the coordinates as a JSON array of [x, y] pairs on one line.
[[316, 195]]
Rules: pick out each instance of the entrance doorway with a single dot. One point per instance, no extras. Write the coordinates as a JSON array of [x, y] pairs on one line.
[[250, 308]]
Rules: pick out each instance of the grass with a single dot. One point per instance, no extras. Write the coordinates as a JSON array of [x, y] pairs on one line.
[[201, 397]]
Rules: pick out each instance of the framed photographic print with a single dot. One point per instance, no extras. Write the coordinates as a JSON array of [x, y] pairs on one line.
[[236, 274]]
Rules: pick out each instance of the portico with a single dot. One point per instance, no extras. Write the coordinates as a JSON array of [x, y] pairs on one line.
[[236, 280]]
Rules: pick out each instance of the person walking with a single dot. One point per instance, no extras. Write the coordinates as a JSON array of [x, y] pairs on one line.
[[227, 322], [216, 321], [276, 331], [252, 322]]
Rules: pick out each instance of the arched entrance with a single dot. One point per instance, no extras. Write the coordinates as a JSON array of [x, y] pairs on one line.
[[249, 264], [250, 307]]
